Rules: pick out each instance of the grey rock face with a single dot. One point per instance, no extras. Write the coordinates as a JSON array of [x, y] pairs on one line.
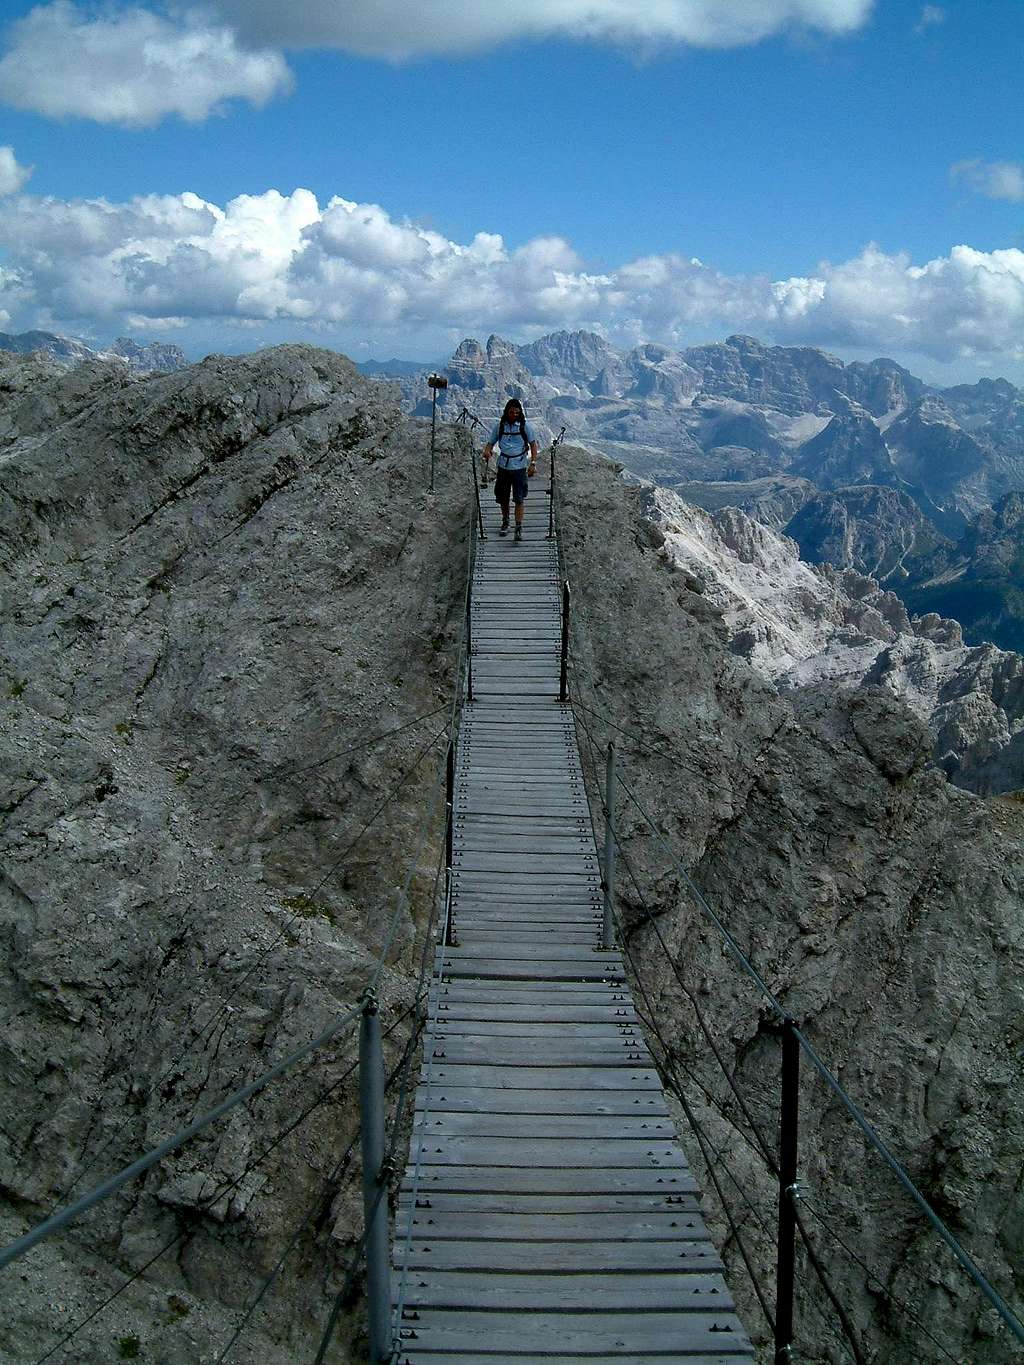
[[212, 580], [850, 450], [216, 584], [805, 626], [879, 903], [877, 531]]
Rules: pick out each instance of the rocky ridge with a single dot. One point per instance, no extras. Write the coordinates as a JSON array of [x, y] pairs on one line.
[[802, 626], [219, 578], [156, 356]]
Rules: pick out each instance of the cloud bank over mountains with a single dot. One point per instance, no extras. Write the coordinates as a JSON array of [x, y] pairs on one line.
[[170, 260]]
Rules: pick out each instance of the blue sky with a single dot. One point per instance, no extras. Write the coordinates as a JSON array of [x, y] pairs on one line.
[[823, 172]]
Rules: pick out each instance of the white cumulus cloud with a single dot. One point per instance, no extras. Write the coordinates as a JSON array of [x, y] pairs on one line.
[[408, 28], [12, 176], [993, 179], [161, 261], [131, 66]]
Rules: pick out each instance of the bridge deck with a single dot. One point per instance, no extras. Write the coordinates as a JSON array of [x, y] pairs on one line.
[[547, 1211]]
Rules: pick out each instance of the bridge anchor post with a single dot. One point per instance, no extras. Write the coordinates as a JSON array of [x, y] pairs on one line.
[[563, 683], [609, 848], [785, 1273], [375, 1203]]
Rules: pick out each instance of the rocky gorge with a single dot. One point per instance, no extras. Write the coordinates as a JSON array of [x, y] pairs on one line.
[[218, 586]]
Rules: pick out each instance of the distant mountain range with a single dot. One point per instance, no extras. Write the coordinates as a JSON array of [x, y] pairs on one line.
[[865, 465], [155, 357]]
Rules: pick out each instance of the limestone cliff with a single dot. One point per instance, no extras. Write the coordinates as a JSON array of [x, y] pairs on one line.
[[216, 578]]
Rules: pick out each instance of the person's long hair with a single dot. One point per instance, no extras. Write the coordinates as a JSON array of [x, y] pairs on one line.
[[507, 423]]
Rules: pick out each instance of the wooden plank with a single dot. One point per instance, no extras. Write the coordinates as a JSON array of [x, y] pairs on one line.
[[497, 1101], [533, 1153], [564, 1257], [410, 1355], [548, 1180], [559, 1014], [492, 1202], [509, 1052], [528, 1292], [553, 952], [652, 1334], [460, 1124], [545, 1078]]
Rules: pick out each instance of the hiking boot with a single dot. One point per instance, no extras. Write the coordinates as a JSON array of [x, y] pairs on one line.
[[504, 527], [519, 533]]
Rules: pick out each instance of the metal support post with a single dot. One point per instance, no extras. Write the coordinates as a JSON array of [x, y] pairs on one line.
[[479, 509], [449, 837], [469, 643], [563, 685], [436, 381], [609, 848], [551, 494], [789, 1129], [375, 1195], [433, 434]]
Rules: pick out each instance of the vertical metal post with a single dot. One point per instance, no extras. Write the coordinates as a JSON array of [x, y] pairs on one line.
[[551, 495], [479, 509], [469, 643], [433, 433], [449, 839], [788, 1141], [375, 1199], [563, 685], [609, 848]]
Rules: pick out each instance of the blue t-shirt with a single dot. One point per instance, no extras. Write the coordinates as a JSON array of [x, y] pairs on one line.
[[513, 451]]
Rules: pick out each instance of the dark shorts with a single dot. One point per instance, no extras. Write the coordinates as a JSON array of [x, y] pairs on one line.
[[515, 480]]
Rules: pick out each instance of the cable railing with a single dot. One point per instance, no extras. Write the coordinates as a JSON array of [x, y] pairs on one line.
[[795, 1043], [378, 1146], [377, 1165]]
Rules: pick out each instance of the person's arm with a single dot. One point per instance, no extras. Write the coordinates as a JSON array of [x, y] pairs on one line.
[[488, 448], [533, 454]]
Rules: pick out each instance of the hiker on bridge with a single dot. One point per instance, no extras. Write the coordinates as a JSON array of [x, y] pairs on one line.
[[517, 462]]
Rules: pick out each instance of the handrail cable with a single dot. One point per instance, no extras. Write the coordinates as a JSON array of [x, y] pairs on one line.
[[461, 667], [397, 1071], [278, 776], [74, 1211], [760, 1145], [966, 1261], [388, 1163], [658, 752], [874, 1139], [807, 1202], [254, 966], [313, 1212], [671, 1078], [761, 1148], [458, 701], [221, 1190], [702, 1138]]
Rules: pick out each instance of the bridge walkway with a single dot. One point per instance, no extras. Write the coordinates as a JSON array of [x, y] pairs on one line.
[[547, 1210]]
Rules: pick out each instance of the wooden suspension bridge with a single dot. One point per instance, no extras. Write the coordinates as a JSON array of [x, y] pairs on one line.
[[547, 1210]]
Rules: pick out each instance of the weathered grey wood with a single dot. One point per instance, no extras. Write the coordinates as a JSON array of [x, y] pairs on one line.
[[545, 1078], [653, 1333], [460, 1124], [549, 1180], [411, 1356], [437, 1225], [493, 1202], [547, 1211]]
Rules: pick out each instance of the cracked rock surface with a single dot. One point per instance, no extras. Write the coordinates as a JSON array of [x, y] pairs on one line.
[[210, 580], [216, 583], [879, 903]]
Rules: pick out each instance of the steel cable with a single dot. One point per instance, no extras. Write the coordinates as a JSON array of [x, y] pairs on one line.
[[223, 1007]]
